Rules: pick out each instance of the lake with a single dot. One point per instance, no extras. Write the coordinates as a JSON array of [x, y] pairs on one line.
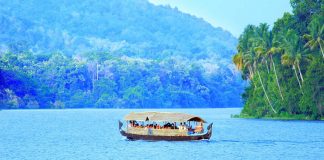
[[93, 134]]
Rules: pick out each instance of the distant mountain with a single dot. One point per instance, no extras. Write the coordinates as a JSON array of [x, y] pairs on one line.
[[128, 27], [118, 53]]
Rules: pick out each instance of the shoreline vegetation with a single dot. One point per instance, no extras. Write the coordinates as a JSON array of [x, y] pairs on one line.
[[280, 117], [284, 65]]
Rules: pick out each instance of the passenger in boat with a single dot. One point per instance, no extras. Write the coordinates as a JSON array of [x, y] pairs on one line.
[[167, 126], [199, 128], [184, 126], [190, 130], [130, 124], [135, 124]]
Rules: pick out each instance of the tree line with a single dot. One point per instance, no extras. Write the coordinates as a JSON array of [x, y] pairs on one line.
[[285, 64], [103, 80]]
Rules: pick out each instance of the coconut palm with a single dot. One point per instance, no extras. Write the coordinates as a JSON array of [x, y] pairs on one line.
[[297, 60], [261, 52], [266, 49], [256, 59], [265, 92], [287, 59], [238, 60], [272, 51], [315, 38], [248, 56], [292, 56]]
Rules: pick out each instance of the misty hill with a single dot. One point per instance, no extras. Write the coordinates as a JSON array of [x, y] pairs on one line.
[[181, 53], [124, 27]]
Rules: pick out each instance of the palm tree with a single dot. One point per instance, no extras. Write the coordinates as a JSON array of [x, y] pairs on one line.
[[247, 58], [297, 60], [266, 93], [272, 51], [287, 59], [258, 56], [238, 60], [266, 49], [292, 56], [260, 51], [315, 38]]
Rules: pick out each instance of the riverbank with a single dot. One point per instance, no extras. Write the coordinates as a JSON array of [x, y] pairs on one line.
[[278, 117]]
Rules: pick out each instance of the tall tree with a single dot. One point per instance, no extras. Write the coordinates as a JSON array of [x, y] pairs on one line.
[[315, 39], [291, 45], [267, 49], [249, 55], [272, 51], [287, 59]]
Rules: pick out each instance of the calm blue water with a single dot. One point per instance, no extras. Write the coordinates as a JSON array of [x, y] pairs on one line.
[[93, 134]]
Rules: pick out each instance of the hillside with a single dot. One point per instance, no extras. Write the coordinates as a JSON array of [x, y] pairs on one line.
[[112, 40], [124, 27]]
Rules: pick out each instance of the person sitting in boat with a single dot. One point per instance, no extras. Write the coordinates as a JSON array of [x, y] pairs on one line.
[[130, 124], [190, 130], [167, 126], [172, 126], [184, 127], [199, 128], [180, 126]]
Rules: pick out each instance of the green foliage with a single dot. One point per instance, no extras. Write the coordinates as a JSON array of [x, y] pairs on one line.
[[312, 102], [58, 81], [293, 81], [68, 54]]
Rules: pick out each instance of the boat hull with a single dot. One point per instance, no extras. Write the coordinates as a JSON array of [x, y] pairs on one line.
[[130, 136]]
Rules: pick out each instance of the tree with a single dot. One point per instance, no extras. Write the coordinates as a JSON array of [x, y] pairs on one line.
[[266, 93], [312, 102], [266, 49], [315, 38], [272, 51], [288, 60], [291, 46], [238, 60], [250, 53]]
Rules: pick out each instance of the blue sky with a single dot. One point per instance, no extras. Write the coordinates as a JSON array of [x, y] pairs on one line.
[[232, 15]]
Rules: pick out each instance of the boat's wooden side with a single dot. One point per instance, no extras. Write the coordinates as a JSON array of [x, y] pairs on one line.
[[166, 138]]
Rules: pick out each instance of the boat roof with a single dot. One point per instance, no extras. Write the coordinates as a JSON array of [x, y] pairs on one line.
[[162, 117]]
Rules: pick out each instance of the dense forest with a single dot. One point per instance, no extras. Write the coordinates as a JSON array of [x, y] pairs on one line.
[[113, 54], [285, 64]]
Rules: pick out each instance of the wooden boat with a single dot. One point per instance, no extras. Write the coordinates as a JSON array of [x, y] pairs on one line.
[[164, 126]]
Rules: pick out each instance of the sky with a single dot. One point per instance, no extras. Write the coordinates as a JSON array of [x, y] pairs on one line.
[[232, 15]]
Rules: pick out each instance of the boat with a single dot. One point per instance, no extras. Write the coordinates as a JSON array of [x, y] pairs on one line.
[[168, 126]]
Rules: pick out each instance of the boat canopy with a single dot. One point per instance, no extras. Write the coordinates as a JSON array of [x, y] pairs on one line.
[[162, 117]]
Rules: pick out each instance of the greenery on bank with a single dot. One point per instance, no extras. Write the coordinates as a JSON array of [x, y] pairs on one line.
[[284, 116], [285, 64]]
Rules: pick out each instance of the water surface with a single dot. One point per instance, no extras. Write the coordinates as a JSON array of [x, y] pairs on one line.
[[93, 134]]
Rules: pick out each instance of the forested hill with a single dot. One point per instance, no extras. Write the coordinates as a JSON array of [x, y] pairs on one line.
[[285, 64], [112, 53], [125, 27]]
